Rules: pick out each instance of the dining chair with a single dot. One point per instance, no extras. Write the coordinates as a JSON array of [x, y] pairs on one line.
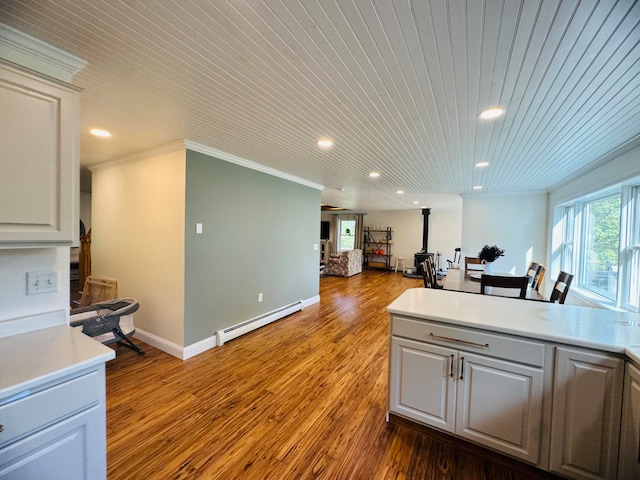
[[424, 269], [432, 273], [471, 261], [561, 287], [456, 258], [504, 281], [536, 272]]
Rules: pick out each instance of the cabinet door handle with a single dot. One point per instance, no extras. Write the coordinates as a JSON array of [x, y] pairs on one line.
[[461, 368], [1, 428], [453, 359], [451, 339]]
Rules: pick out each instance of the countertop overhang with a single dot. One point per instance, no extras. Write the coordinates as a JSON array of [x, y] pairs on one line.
[[605, 330], [31, 357]]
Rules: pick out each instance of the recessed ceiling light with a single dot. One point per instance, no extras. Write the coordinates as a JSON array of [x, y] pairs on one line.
[[477, 187], [99, 133], [324, 142], [492, 113], [423, 206], [400, 192], [482, 164], [416, 202], [374, 174]]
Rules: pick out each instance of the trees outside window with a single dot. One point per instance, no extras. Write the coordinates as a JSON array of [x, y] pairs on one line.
[[347, 237]]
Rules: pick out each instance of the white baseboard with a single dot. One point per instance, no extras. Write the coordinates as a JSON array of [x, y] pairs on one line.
[[197, 348], [160, 343]]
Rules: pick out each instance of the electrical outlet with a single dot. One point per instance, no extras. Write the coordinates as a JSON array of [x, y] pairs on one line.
[[260, 297], [42, 282], [315, 246]]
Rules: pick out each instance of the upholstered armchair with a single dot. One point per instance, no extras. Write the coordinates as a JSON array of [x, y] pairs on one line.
[[345, 264]]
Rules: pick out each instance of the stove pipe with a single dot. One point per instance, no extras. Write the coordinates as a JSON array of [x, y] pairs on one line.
[[425, 228]]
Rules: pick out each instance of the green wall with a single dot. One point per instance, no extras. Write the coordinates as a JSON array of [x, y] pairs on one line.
[[258, 236]]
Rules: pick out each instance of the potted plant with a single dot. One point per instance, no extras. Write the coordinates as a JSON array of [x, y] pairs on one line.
[[488, 255]]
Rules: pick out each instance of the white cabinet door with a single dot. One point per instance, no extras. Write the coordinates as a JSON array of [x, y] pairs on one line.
[[38, 161], [629, 462], [500, 405], [63, 451], [422, 382], [585, 423]]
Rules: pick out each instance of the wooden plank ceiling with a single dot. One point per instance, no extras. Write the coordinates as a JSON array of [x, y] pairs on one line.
[[396, 84]]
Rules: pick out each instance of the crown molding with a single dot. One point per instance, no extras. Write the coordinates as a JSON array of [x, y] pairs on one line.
[[176, 146], [27, 51], [227, 157]]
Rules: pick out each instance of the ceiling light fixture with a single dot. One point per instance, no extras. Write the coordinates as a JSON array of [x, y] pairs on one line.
[[374, 174], [99, 133], [400, 192], [482, 164], [477, 187], [416, 202], [324, 142], [493, 112]]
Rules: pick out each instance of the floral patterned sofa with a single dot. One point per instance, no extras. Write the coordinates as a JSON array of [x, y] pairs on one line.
[[345, 264]]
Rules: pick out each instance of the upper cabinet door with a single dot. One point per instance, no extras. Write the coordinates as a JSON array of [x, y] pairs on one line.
[[38, 161]]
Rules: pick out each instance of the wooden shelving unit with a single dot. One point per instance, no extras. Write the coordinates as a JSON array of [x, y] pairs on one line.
[[376, 248]]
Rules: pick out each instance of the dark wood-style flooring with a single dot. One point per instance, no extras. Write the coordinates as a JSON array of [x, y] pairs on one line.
[[301, 398]]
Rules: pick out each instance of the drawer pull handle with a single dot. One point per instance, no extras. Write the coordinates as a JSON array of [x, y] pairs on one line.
[[457, 340], [453, 359]]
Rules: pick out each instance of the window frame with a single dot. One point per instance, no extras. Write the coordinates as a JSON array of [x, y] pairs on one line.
[[572, 244], [351, 235]]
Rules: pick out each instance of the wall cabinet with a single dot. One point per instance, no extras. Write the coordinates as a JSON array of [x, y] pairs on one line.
[[40, 166], [495, 402], [55, 430], [629, 465], [585, 426]]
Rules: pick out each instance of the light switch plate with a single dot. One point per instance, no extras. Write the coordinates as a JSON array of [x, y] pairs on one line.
[[42, 282]]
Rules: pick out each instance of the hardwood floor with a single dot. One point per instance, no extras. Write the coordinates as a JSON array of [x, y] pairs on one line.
[[304, 397]]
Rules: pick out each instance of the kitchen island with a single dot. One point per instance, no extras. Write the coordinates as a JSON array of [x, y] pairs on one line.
[[539, 382], [52, 405]]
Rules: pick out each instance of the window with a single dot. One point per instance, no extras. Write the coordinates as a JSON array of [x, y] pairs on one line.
[[347, 237], [601, 241], [600, 245]]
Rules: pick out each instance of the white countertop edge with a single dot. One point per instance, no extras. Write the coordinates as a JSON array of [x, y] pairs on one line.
[[36, 357], [633, 353], [566, 324]]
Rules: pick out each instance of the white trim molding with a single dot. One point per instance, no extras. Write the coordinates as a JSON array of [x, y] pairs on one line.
[[27, 51], [227, 157], [197, 348]]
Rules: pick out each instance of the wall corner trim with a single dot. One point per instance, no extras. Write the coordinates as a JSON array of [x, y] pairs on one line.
[[227, 157]]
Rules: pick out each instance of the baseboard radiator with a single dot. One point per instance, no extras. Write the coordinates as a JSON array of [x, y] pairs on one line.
[[247, 326]]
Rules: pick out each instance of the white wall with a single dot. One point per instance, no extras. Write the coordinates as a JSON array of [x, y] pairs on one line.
[[137, 236], [516, 223], [444, 231]]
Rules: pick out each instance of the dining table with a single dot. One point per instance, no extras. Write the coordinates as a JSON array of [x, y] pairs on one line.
[[469, 282]]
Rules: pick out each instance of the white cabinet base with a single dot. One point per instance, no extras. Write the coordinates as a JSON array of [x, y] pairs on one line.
[[585, 426]]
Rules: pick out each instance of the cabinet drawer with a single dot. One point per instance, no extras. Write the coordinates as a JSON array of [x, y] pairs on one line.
[[499, 346], [36, 410]]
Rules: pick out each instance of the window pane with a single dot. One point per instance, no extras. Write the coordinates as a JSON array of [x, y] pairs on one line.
[[347, 235], [601, 244], [634, 288]]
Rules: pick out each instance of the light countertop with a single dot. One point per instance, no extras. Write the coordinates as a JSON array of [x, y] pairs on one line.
[[31, 357], [594, 328]]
